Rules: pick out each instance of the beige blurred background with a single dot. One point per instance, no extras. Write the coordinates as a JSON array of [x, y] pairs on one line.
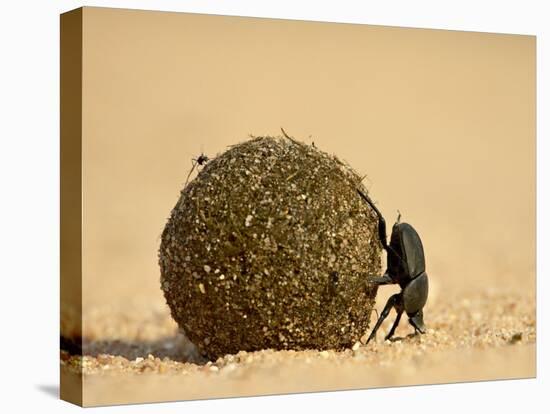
[[442, 122]]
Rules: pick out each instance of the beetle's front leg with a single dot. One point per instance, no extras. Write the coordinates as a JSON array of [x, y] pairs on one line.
[[392, 301]]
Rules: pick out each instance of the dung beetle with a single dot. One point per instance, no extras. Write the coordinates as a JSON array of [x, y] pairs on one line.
[[406, 266]]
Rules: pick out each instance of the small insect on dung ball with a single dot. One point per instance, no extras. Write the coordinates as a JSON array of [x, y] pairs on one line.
[[270, 246]]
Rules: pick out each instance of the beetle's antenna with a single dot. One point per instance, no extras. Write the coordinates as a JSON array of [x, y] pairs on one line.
[[398, 216]]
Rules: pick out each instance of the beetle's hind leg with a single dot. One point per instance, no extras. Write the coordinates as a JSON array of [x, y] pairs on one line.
[[385, 279], [393, 301], [382, 235], [394, 326]]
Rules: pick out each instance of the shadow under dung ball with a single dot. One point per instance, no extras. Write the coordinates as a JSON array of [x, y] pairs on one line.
[[270, 246]]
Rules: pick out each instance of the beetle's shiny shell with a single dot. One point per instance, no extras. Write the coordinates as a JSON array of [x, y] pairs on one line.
[[407, 244]]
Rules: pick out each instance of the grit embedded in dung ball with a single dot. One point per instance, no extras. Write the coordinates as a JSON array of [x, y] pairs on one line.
[[270, 246]]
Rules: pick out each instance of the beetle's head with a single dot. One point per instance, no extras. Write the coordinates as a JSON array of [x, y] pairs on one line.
[[415, 296], [417, 321]]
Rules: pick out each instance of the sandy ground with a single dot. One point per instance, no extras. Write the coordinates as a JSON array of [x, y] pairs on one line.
[[134, 353]]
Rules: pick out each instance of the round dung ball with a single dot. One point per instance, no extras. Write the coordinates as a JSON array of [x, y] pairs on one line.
[[270, 246]]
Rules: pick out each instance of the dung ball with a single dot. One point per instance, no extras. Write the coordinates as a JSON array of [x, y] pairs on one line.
[[270, 246]]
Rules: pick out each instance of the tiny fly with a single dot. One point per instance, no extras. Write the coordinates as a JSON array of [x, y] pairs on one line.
[[201, 160]]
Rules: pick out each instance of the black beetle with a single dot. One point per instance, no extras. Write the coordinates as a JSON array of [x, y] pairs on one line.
[[406, 266]]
